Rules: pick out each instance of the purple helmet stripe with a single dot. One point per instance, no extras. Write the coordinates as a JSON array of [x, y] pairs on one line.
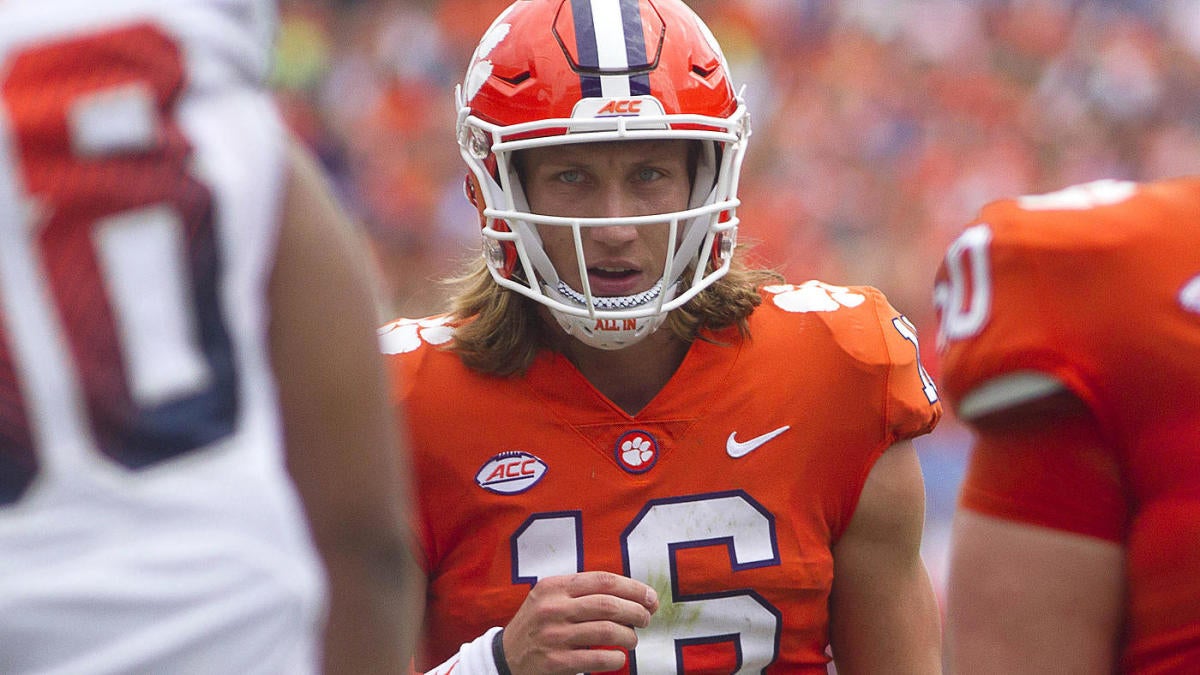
[[635, 47], [586, 47]]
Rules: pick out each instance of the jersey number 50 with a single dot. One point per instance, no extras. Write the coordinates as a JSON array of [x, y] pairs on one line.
[[111, 333]]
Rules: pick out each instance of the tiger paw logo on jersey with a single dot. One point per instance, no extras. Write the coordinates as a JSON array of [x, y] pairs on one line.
[[814, 296], [510, 473], [636, 451], [405, 335]]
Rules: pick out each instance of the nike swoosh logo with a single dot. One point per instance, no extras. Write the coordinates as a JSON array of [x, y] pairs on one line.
[[736, 449]]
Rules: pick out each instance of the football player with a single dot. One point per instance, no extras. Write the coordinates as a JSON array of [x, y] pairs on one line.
[[180, 302], [1071, 327], [633, 452]]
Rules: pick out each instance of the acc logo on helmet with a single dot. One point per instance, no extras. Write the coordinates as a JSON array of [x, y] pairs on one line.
[[636, 106]]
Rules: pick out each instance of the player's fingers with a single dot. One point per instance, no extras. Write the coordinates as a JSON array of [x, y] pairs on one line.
[[607, 583], [594, 660], [608, 608], [602, 634]]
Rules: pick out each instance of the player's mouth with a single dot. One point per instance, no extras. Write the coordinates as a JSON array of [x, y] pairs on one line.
[[612, 280]]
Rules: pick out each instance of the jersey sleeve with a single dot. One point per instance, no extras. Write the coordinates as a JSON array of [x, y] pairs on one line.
[[874, 347], [1060, 475], [892, 392], [408, 347], [1017, 295], [913, 407], [1020, 325]]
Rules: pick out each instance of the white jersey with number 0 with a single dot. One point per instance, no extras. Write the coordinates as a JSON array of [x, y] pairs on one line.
[[146, 520]]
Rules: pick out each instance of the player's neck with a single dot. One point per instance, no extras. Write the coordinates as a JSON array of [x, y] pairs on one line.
[[629, 377]]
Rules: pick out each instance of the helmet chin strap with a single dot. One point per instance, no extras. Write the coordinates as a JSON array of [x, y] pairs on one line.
[[608, 303], [609, 333]]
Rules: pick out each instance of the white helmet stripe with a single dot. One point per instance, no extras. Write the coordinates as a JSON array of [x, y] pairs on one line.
[[610, 47]]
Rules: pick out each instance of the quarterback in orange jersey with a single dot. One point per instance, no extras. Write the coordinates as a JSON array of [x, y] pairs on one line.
[[728, 493], [634, 453], [1071, 329]]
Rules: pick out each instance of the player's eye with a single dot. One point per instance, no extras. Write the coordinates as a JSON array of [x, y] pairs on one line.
[[647, 174], [571, 176]]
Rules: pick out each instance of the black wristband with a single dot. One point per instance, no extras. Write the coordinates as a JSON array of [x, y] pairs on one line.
[[498, 653]]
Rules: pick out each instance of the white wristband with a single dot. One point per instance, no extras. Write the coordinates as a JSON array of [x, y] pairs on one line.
[[473, 658]]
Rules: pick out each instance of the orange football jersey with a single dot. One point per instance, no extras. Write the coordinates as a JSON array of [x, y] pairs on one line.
[[725, 493], [1097, 286]]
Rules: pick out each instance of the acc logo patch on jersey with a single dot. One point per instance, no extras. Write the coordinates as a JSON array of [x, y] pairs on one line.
[[510, 473]]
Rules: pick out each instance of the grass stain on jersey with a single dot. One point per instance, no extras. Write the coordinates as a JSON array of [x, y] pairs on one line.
[[671, 614]]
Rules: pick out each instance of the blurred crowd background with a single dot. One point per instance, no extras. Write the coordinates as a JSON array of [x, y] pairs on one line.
[[880, 128]]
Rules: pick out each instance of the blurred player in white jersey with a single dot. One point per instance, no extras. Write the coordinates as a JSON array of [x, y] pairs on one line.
[[180, 300]]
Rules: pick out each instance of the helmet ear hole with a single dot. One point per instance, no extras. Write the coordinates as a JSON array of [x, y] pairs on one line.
[[508, 251], [471, 191], [724, 243], [714, 256], [502, 255]]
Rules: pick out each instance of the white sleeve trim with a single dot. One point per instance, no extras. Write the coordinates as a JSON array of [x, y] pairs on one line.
[[1008, 391], [473, 658]]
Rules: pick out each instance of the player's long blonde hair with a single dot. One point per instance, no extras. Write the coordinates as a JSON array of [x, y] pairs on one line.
[[499, 332]]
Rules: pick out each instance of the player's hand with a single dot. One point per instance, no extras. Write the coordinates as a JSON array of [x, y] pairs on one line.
[[563, 617]]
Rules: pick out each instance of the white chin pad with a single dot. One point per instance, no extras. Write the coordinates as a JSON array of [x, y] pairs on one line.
[[605, 333]]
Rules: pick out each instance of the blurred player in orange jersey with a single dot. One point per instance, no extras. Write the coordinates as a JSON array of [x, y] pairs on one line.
[[1071, 324], [190, 391], [632, 452]]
